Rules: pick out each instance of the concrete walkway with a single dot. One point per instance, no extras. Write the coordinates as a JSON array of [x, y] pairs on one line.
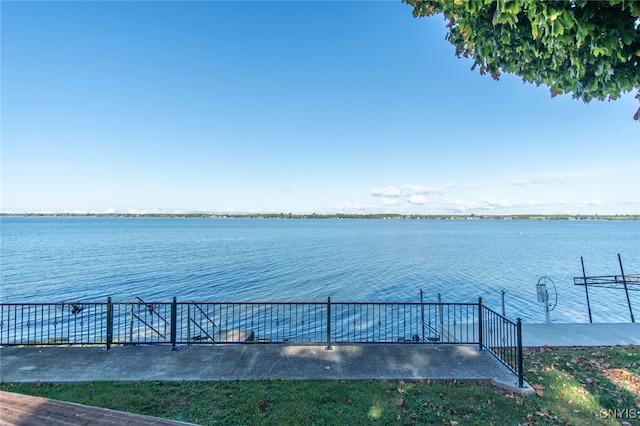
[[254, 361], [290, 361]]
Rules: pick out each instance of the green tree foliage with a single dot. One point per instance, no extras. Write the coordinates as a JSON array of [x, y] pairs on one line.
[[589, 49]]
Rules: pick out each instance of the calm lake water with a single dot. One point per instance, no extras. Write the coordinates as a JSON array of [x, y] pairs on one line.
[[53, 259]]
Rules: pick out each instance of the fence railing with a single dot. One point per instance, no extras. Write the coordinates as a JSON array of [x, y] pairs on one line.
[[189, 323], [503, 338]]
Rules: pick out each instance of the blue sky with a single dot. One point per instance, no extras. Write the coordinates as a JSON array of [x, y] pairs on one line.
[[302, 107]]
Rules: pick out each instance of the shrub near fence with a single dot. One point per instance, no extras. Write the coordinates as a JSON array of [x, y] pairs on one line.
[[189, 323]]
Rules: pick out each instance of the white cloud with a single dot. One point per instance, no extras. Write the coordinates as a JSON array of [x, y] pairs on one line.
[[533, 203], [630, 201], [416, 199], [492, 199], [455, 205], [389, 191], [594, 202], [492, 204], [154, 211], [411, 193], [462, 206], [355, 207]]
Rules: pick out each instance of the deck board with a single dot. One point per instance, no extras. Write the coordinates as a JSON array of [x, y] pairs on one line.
[[25, 410]]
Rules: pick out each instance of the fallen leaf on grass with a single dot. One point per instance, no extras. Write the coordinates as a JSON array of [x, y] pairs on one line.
[[624, 379], [543, 413], [263, 404], [538, 389], [513, 397]]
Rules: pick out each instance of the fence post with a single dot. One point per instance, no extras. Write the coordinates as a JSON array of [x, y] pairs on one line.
[[586, 289], [109, 322], [626, 289], [520, 360], [422, 315], [328, 347], [174, 320], [440, 314], [480, 337]]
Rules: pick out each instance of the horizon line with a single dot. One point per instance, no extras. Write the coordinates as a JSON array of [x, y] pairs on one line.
[[283, 215]]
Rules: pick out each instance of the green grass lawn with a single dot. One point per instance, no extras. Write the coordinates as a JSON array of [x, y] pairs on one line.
[[576, 386]]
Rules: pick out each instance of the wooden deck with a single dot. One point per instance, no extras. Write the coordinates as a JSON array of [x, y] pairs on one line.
[[24, 410]]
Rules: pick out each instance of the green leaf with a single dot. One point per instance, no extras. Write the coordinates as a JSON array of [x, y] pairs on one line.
[[514, 7], [553, 14], [534, 31], [558, 29]]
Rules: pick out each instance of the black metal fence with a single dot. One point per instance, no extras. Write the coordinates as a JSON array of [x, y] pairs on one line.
[[503, 338], [189, 323]]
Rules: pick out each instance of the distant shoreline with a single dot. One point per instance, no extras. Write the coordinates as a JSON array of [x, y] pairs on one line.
[[391, 216]]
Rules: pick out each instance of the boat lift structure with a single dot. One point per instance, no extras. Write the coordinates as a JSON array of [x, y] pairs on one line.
[[617, 282]]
